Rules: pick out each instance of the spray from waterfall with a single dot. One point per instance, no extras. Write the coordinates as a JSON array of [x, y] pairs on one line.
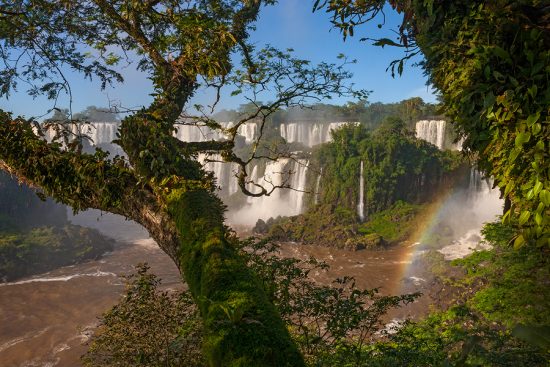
[[451, 224]]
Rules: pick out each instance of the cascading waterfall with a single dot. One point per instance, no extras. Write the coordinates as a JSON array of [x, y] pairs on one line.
[[249, 131], [479, 203], [298, 185], [309, 134], [223, 171], [432, 131], [479, 185], [99, 133], [283, 202], [361, 204]]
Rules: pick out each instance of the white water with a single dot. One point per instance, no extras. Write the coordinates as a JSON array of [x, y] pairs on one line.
[[309, 134], [479, 205], [280, 202], [41, 278], [224, 172], [432, 131], [361, 204], [285, 172], [105, 132]]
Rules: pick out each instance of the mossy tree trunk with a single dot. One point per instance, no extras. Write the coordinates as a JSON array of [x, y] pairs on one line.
[[165, 189], [185, 217]]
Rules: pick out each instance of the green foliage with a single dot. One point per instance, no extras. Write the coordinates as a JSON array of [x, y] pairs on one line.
[[501, 318], [456, 337], [181, 46], [514, 281], [46, 248], [397, 166], [322, 318], [394, 224], [490, 61], [242, 327], [496, 88], [148, 327], [338, 227]]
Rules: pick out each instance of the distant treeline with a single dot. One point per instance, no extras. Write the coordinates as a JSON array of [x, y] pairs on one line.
[[368, 114]]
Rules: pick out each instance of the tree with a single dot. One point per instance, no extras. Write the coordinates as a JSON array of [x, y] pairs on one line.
[[491, 63], [181, 45]]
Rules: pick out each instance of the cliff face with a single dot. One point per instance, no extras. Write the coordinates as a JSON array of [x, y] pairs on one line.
[[35, 235], [21, 209]]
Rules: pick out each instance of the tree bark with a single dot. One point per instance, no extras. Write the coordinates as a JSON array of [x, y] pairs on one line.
[[242, 327]]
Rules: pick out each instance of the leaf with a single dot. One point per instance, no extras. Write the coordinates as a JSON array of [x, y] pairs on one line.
[[509, 187], [506, 216], [538, 219], [536, 128], [503, 54], [519, 242], [522, 138], [532, 91], [531, 119], [538, 187], [545, 197], [524, 217]]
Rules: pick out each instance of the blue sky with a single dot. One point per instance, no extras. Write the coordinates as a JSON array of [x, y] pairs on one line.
[[289, 24]]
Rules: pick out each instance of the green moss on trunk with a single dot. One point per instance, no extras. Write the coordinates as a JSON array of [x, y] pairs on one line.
[[242, 327]]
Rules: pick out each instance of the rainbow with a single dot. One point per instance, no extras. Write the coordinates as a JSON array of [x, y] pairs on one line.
[[448, 205]]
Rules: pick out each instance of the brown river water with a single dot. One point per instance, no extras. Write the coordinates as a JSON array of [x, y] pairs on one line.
[[45, 320]]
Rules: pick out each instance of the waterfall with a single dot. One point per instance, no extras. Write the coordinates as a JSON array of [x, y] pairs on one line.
[[105, 132], [281, 202], [284, 202], [97, 132], [465, 212], [309, 134], [298, 185], [194, 133], [223, 171], [361, 204], [432, 131], [478, 185], [249, 131]]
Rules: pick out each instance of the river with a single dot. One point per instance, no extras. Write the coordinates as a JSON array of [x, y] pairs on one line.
[[47, 319]]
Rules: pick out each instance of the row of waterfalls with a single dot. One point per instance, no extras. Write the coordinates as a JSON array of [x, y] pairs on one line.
[[283, 172]]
